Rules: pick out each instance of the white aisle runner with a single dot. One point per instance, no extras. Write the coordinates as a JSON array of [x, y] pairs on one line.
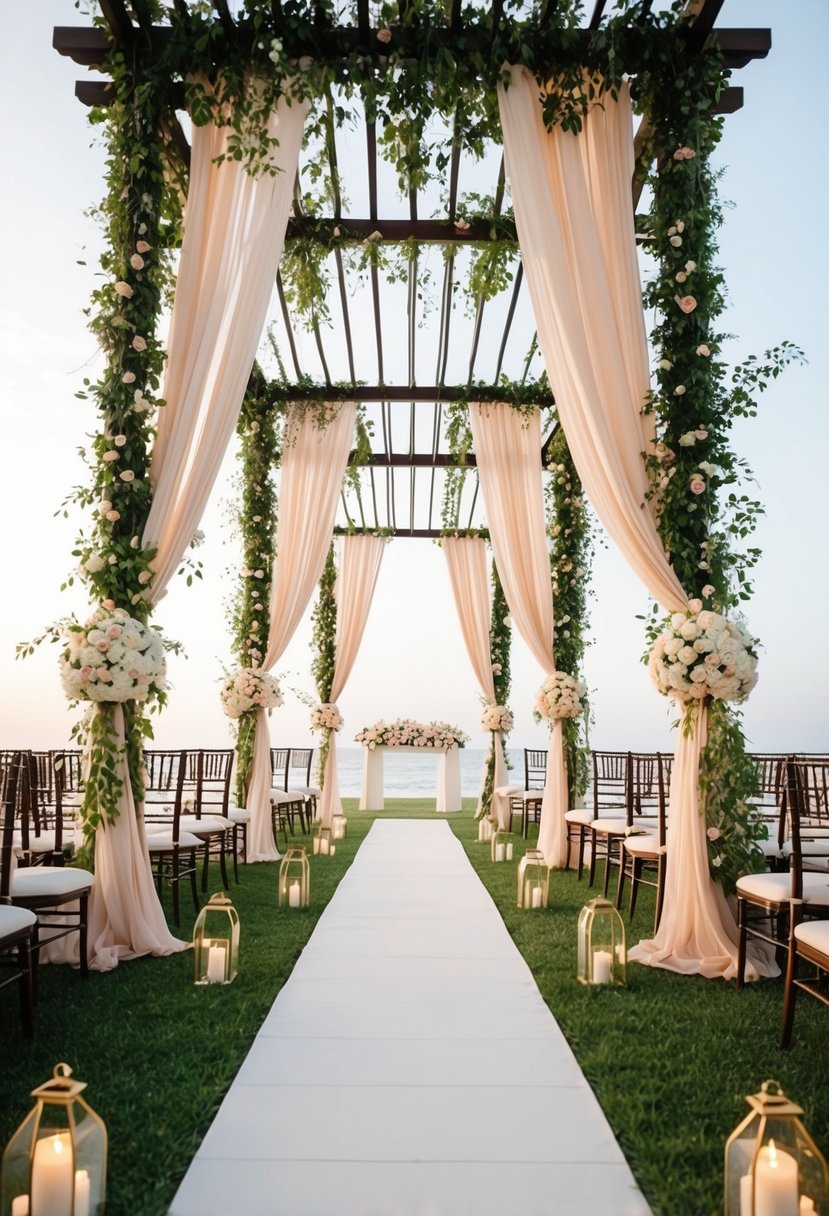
[[410, 1067]]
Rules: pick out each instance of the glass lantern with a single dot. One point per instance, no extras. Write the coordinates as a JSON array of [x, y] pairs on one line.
[[602, 952], [772, 1164], [502, 845], [322, 840], [216, 942], [533, 880], [56, 1161], [484, 830], [339, 827], [294, 880]]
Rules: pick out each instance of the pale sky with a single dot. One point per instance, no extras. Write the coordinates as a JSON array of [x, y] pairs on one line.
[[774, 251]]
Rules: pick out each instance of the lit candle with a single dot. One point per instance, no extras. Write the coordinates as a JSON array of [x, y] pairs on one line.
[[499, 852], [775, 1183], [536, 897], [509, 851], [81, 1193], [323, 844], [746, 1194], [216, 964], [293, 895], [52, 1176], [602, 963], [20, 1205]]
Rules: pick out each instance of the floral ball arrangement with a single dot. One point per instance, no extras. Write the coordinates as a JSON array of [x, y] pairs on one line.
[[559, 696], [111, 657], [496, 717], [405, 732], [701, 654], [326, 717], [249, 688]]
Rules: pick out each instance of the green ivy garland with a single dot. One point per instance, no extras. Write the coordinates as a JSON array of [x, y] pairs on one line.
[[500, 642], [324, 645]]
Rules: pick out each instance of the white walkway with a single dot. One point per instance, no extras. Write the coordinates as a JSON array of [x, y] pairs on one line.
[[409, 1067]]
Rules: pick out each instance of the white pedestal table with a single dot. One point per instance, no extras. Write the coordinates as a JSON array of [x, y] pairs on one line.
[[447, 794]]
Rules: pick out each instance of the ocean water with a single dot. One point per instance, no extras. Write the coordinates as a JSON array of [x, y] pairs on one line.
[[413, 774]]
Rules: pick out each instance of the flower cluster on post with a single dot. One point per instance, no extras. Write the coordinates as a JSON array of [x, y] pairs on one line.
[[560, 696], [406, 732], [250, 689]]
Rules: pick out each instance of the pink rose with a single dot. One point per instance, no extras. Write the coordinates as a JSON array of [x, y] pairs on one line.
[[85, 673], [686, 303], [384, 36], [707, 590], [697, 484], [113, 516], [128, 378], [133, 673], [713, 833], [681, 276], [143, 247], [123, 289], [126, 475], [111, 455], [703, 350], [114, 632], [103, 645], [700, 434], [109, 605], [137, 262], [139, 343]]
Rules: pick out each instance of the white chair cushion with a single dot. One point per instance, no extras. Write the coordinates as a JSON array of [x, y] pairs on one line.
[[533, 795], [814, 933], [307, 791], [15, 920], [238, 814], [208, 825], [609, 827], [36, 882], [162, 841], [509, 791], [777, 888], [579, 814], [643, 846], [283, 797]]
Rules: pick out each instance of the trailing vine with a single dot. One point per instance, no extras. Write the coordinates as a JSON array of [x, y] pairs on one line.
[[324, 646], [571, 557], [500, 642]]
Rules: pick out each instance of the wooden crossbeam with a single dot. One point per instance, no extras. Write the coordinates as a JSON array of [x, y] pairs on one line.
[[395, 394]]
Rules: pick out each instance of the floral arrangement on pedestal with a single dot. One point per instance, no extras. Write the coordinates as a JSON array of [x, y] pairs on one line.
[[496, 717], [405, 732], [326, 717], [559, 697], [703, 654], [249, 688], [112, 657]]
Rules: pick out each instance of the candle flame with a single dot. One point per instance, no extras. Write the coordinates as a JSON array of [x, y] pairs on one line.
[[773, 1162], [57, 1144]]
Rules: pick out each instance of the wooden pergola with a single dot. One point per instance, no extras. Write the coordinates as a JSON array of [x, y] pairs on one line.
[[383, 346]]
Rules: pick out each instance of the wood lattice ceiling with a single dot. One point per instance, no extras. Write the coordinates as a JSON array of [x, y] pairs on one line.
[[404, 348]]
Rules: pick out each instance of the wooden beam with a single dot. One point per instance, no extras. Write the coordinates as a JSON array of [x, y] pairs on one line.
[[398, 393]]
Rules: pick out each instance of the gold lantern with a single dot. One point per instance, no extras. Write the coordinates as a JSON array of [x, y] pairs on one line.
[[602, 952], [216, 942], [294, 880], [339, 827], [772, 1164], [533, 880], [322, 840], [485, 830], [502, 845], [55, 1163]]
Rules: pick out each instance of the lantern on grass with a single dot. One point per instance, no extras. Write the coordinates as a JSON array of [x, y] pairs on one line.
[[533, 880], [322, 840], [216, 942], [484, 830], [339, 827], [772, 1164], [294, 880], [602, 952], [55, 1163], [502, 845]]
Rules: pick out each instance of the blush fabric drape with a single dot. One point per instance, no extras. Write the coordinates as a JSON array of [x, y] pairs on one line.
[[575, 229], [234, 230], [313, 464], [466, 559], [356, 579], [507, 446]]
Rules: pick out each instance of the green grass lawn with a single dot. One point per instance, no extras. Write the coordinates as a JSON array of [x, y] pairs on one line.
[[670, 1057]]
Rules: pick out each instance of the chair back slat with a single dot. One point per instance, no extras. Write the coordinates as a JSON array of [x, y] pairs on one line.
[[11, 771], [214, 769], [807, 800], [535, 769], [280, 759], [165, 772], [612, 784]]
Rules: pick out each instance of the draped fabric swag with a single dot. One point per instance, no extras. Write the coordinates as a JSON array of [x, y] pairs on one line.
[[313, 464], [466, 559], [356, 579], [575, 230], [234, 230], [507, 446]]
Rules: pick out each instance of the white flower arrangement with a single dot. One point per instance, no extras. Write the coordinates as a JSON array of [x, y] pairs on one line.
[[702, 654], [405, 732], [326, 717], [496, 717], [249, 688], [111, 657], [559, 696]]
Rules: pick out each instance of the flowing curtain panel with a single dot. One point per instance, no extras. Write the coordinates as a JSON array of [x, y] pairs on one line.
[[467, 563], [356, 579], [507, 445], [313, 464], [575, 229], [234, 230]]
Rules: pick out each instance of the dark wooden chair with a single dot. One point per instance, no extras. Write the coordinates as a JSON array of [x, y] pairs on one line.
[[298, 779], [173, 852], [644, 854], [205, 803], [612, 807], [809, 944], [286, 805], [18, 926], [769, 806]]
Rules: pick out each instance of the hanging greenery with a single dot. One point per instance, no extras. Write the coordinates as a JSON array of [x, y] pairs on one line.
[[571, 559], [324, 646], [500, 642]]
